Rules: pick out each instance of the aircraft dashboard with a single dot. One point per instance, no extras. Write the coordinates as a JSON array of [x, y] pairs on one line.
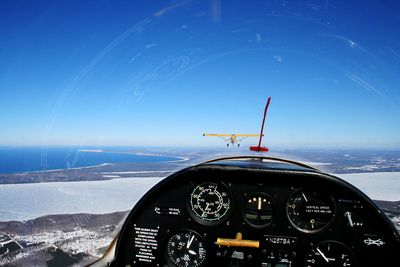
[[255, 212]]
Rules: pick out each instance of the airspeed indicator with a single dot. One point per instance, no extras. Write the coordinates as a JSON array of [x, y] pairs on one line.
[[210, 202]]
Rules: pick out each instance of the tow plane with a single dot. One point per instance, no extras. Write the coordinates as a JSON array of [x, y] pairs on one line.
[[236, 138], [233, 139]]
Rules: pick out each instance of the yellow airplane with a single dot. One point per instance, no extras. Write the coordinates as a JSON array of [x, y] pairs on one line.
[[233, 138]]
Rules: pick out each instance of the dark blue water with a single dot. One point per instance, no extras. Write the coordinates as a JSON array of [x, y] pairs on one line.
[[16, 160]]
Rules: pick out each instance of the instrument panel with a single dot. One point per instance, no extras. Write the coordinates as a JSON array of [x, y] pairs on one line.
[[255, 212]]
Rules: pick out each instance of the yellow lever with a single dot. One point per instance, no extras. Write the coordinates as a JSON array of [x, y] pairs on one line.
[[238, 242]]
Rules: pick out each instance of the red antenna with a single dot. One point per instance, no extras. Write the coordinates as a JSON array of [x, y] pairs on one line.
[[259, 148]]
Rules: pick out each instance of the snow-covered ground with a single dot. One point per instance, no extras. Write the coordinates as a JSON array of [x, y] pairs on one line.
[[78, 241], [88, 242]]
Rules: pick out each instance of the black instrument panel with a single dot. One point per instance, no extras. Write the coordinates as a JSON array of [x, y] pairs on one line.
[[255, 212]]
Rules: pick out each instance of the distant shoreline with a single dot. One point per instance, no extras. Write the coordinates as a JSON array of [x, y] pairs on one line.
[[58, 170], [163, 158], [180, 158], [101, 172]]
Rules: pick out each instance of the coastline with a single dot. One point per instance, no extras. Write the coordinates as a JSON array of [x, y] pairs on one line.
[[180, 158], [99, 172], [64, 165], [58, 170]]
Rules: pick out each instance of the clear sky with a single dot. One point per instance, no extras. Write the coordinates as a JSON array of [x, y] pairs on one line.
[[161, 73]]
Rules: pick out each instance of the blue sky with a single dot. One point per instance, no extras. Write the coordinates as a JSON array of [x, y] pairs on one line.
[[160, 73]]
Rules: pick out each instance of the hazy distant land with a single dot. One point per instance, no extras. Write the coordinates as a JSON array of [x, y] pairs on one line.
[[332, 161]]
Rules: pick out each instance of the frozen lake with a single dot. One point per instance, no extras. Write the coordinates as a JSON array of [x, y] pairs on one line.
[[376, 185], [27, 201]]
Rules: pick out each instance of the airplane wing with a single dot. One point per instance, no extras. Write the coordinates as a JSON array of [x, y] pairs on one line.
[[229, 135], [248, 135], [244, 136], [225, 137], [218, 135]]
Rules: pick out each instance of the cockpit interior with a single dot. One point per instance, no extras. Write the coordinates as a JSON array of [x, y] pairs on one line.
[[254, 211]]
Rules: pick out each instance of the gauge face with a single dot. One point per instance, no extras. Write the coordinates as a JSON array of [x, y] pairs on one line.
[[259, 210], [310, 211], [185, 248], [329, 253], [210, 202]]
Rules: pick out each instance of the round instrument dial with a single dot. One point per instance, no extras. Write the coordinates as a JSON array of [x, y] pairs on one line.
[[185, 248], [210, 202], [329, 253], [259, 210], [310, 211]]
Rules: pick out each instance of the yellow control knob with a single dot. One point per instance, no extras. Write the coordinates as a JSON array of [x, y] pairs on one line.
[[238, 241]]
